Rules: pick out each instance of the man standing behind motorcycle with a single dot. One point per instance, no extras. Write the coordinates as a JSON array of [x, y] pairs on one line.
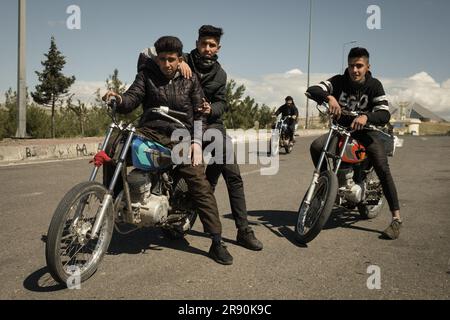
[[159, 83], [203, 61], [286, 110], [357, 90]]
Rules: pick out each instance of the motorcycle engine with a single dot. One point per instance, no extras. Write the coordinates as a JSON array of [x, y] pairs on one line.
[[351, 191], [149, 209]]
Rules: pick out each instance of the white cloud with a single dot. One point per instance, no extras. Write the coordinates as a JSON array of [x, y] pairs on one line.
[[421, 88]]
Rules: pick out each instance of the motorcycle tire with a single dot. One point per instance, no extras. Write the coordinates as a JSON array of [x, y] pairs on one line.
[[67, 235], [325, 192], [175, 232], [371, 211]]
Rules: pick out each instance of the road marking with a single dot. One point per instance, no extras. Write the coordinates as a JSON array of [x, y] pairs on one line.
[[34, 194]]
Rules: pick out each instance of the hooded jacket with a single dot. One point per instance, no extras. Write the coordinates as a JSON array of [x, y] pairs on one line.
[[213, 82], [368, 97], [152, 89]]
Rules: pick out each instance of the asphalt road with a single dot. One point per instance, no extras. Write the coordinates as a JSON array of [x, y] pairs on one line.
[[144, 265]]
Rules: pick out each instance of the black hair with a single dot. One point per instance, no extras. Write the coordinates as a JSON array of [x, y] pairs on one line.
[[358, 52], [210, 31], [289, 98], [169, 44]]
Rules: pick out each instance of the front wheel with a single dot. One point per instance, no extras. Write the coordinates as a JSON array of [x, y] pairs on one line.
[[70, 253], [312, 218]]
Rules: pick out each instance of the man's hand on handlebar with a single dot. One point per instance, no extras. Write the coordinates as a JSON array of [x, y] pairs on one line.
[[335, 108], [109, 94], [360, 122]]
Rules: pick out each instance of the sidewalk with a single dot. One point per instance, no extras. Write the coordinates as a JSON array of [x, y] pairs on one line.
[[29, 150]]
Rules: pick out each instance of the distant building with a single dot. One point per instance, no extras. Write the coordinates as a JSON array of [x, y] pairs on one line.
[[416, 111]]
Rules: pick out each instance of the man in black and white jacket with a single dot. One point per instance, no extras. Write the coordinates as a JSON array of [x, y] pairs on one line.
[[357, 90]]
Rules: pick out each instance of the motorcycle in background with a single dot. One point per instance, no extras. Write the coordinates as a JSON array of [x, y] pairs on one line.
[[280, 136]]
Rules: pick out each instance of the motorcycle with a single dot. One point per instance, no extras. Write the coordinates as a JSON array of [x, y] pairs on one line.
[[153, 195], [280, 136], [349, 181]]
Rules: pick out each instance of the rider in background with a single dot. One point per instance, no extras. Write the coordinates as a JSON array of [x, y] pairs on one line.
[[357, 90], [286, 110]]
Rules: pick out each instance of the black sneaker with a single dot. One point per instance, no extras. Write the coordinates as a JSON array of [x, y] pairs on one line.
[[393, 231], [247, 239], [219, 253]]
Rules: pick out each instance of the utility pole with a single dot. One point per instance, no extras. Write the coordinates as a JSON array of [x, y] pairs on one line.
[[309, 60], [21, 74]]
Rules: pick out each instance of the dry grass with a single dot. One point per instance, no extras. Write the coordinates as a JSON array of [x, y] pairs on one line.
[[427, 128]]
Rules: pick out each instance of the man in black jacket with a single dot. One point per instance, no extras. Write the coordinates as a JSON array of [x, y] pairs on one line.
[[289, 109], [357, 90], [203, 61], [159, 83]]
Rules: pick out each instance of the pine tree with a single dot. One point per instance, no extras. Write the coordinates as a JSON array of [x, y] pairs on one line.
[[53, 84]]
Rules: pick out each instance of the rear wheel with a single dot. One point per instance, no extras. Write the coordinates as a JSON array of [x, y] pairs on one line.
[[374, 194], [70, 252], [311, 218], [181, 203]]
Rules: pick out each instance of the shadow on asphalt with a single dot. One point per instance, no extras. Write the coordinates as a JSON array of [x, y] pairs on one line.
[[277, 221], [344, 218], [142, 240], [42, 281]]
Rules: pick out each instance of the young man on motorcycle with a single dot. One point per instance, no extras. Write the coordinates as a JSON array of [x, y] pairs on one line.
[[203, 62], [357, 90], [286, 110], [159, 83]]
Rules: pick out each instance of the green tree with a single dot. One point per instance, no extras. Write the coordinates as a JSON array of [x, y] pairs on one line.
[[115, 84], [243, 112], [53, 84], [81, 112]]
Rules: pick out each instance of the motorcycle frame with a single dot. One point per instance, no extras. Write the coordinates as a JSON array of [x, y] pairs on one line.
[[334, 128], [121, 168]]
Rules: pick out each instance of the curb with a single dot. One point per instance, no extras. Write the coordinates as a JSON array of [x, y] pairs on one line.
[[27, 151]]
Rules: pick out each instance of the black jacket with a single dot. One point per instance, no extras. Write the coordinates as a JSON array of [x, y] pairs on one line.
[[214, 87], [285, 110], [368, 97], [153, 89]]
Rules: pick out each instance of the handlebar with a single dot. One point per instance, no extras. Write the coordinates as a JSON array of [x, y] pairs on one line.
[[354, 114]]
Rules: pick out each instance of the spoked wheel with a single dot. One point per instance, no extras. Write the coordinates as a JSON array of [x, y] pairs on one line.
[[288, 146], [70, 252], [311, 218], [182, 203]]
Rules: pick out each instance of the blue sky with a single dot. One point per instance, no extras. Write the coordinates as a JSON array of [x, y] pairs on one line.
[[262, 37]]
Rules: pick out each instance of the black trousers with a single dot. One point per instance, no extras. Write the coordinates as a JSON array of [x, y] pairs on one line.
[[230, 171], [198, 186], [377, 155]]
